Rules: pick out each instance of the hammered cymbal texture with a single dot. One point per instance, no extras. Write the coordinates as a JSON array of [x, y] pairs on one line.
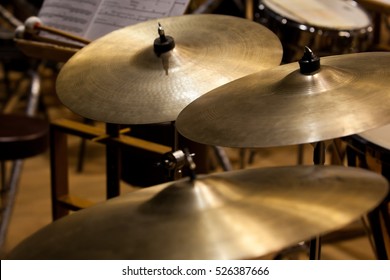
[[119, 79], [280, 106], [232, 215]]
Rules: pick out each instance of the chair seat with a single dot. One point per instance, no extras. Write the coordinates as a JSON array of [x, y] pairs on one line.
[[22, 136]]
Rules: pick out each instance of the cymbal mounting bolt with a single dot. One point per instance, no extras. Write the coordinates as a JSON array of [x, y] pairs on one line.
[[309, 63], [163, 43]]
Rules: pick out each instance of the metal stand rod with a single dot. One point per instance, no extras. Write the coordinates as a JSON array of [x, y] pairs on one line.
[[222, 158], [379, 230], [318, 159], [35, 89], [175, 143], [3, 175], [319, 153], [113, 156], [10, 198], [175, 174], [315, 248]]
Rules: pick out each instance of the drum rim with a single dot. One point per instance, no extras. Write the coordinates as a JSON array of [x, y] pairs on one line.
[[316, 28]]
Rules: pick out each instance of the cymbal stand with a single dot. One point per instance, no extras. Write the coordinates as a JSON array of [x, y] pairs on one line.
[[175, 144], [220, 154], [113, 156], [174, 161], [319, 153], [318, 159], [177, 157], [314, 245], [161, 45], [309, 64]]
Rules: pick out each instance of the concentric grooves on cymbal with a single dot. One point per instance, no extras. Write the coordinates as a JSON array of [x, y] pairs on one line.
[[119, 79], [281, 106], [239, 214], [326, 79]]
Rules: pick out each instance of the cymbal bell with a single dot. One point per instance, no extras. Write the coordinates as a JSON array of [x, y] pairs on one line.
[[233, 215], [281, 106], [120, 79]]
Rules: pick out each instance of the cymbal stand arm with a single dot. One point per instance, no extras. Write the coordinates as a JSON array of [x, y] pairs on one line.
[[174, 162], [191, 164]]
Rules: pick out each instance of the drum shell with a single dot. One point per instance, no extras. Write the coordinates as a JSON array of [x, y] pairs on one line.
[[322, 40]]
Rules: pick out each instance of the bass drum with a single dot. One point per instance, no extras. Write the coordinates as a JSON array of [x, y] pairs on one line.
[[327, 27]]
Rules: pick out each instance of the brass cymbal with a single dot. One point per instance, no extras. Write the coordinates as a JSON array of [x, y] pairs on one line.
[[233, 215], [119, 79], [280, 106]]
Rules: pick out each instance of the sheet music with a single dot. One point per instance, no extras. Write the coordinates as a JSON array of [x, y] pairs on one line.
[[74, 16], [113, 14], [92, 19]]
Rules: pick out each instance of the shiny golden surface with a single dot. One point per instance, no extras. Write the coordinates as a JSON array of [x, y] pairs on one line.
[[119, 79], [281, 106], [232, 215]]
